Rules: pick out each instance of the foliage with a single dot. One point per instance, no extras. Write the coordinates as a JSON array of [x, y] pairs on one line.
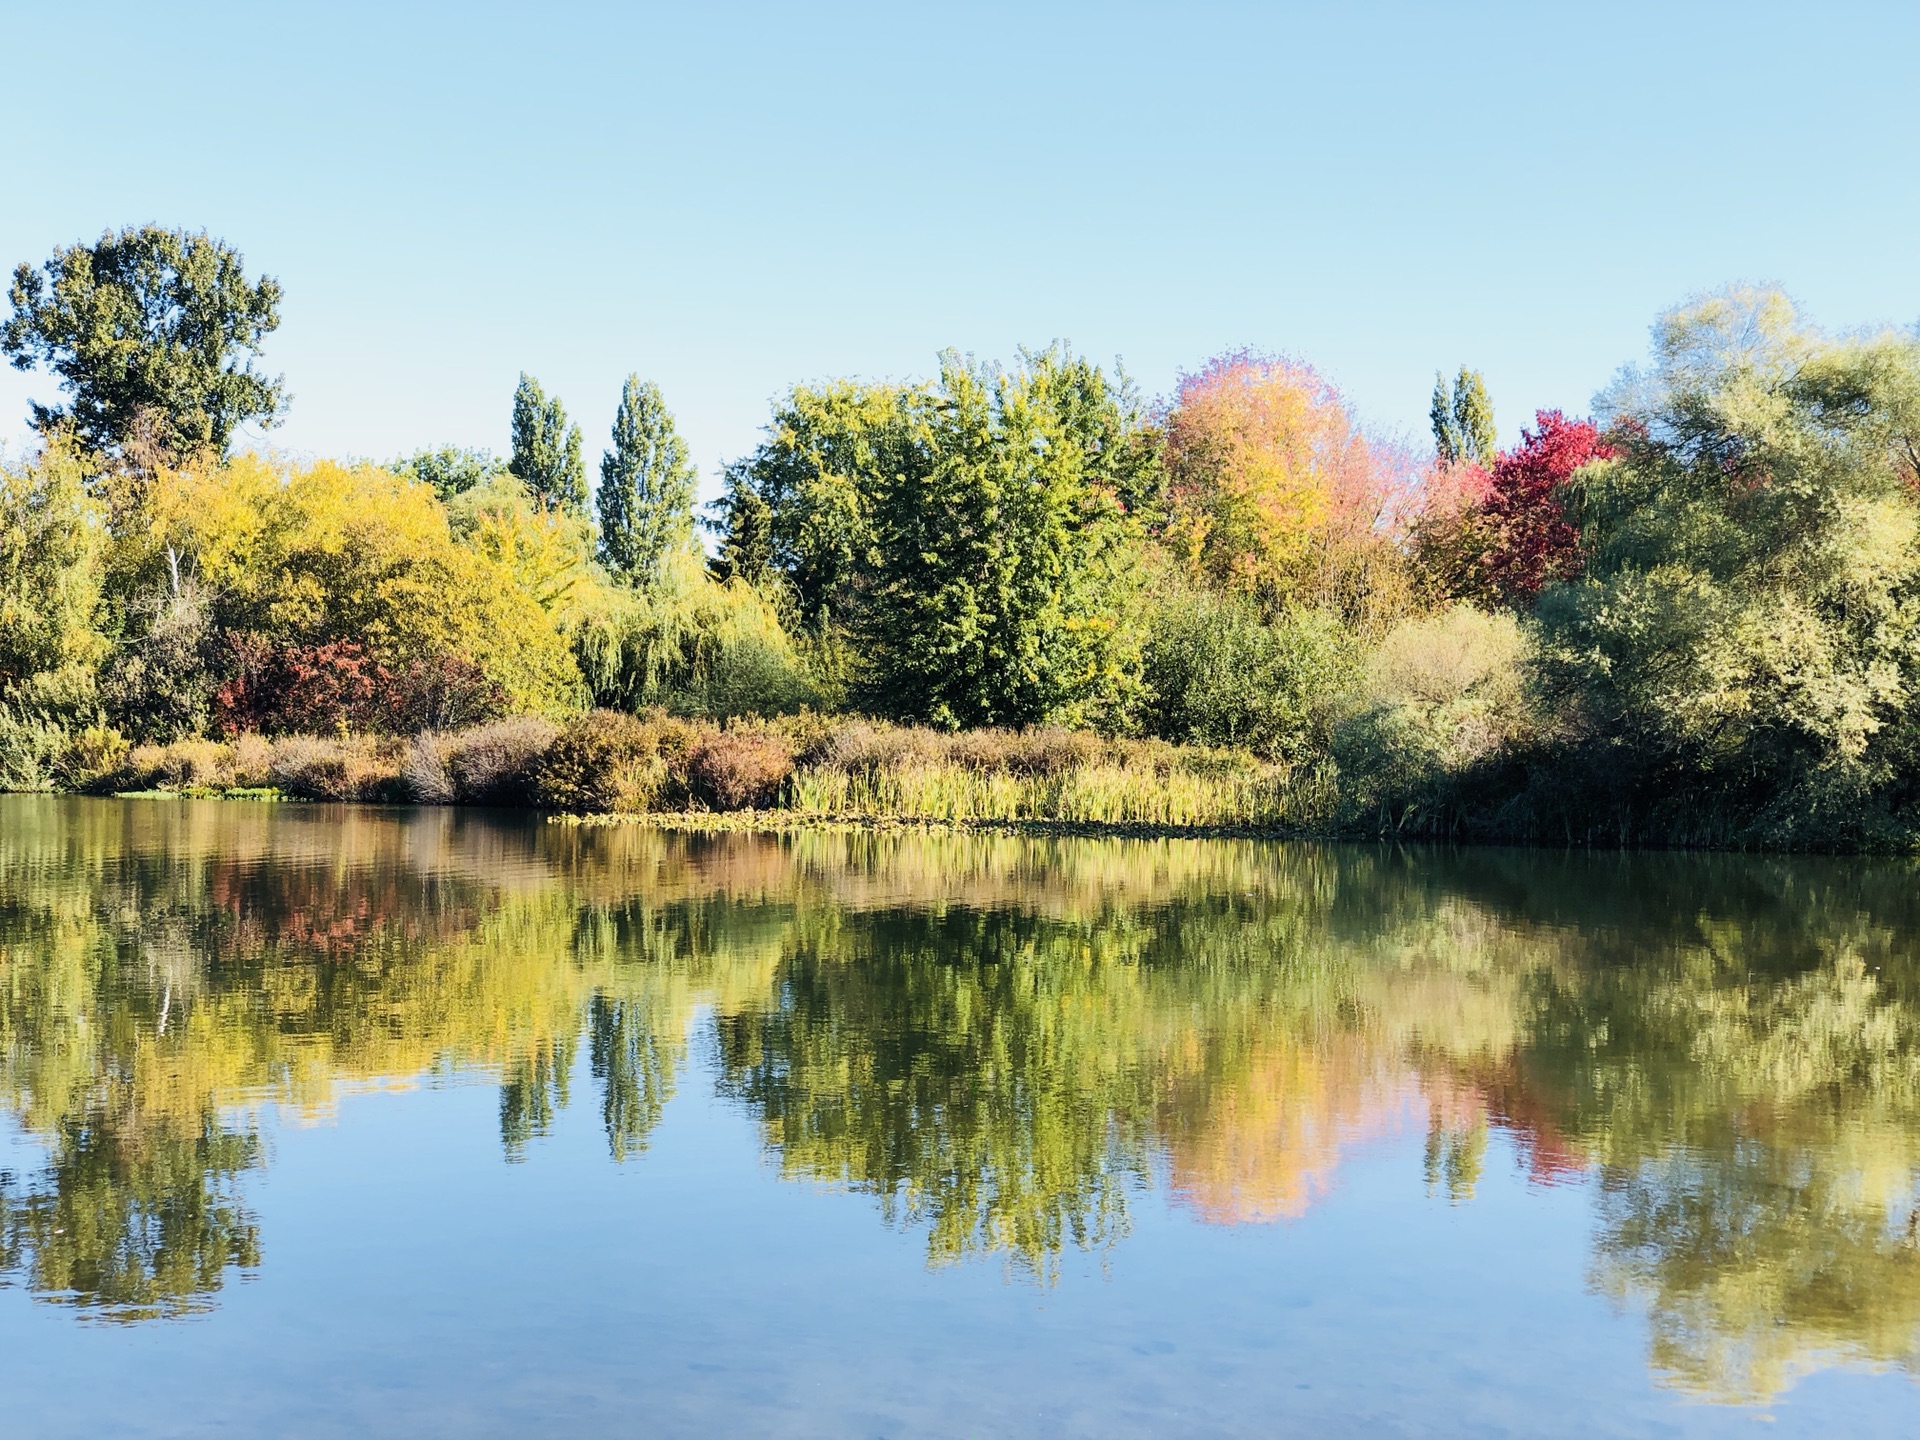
[[603, 761], [1001, 592], [315, 689], [324, 553], [958, 551], [336, 768], [1440, 697], [151, 332], [1531, 540], [491, 764], [646, 486], [740, 769], [169, 662], [546, 449], [442, 692], [1221, 673], [30, 749], [1462, 419], [801, 505], [693, 644], [744, 521], [92, 758], [1745, 627], [1276, 492], [450, 470], [51, 582]]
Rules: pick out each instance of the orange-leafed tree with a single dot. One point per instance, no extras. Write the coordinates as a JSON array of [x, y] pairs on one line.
[[1275, 490]]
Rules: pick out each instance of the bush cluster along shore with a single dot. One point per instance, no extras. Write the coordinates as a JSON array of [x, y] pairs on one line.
[[792, 769], [1015, 593]]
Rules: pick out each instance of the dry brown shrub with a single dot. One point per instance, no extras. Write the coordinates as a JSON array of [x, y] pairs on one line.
[[871, 745], [494, 764], [252, 760], [178, 765], [1051, 751], [323, 769], [741, 769], [423, 775]]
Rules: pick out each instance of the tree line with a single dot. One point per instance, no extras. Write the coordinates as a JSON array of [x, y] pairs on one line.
[[1687, 617]]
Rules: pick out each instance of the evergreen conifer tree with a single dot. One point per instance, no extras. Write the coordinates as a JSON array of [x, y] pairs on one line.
[[646, 486], [745, 522], [546, 449]]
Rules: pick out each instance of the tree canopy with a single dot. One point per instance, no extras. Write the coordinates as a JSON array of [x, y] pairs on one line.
[[546, 448], [646, 486], [153, 333]]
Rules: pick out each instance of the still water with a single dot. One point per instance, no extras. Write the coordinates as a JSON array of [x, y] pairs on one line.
[[333, 1121]]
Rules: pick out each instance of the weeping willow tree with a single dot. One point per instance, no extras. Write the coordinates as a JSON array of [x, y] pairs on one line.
[[691, 643]]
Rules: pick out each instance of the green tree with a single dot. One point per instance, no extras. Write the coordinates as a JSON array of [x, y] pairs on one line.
[[1747, 626], [152, 333], [450, 470], [546, 448], [51, 583], [801, 504], [745, 522], [646, 486], [1002, 589], [1462, 419]]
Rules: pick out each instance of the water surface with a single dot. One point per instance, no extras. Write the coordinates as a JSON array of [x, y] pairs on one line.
[[321, 1121]]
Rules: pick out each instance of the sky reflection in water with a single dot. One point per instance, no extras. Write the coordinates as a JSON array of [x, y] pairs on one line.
[[435, 1122]]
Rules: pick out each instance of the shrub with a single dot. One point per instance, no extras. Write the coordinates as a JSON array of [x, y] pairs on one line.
[[309, 689], [1440, 698], [30, 750], [92, 758], [602, 761], [1223, 675], [423, 774], [180, 765], [441, 692], [740, 769], [163, 678], [314, 768], [495, 764]]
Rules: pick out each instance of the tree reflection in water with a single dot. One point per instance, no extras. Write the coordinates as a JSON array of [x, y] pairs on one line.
[[1007, 1042]]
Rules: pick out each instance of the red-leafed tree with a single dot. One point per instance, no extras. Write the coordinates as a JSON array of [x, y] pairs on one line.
[[1532, 541], [278, 689]]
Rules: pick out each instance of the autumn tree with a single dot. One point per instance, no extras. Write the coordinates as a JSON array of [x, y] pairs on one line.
[[546, 448], [1531, 539], [646, 486], [1276, 491], [152, 333]]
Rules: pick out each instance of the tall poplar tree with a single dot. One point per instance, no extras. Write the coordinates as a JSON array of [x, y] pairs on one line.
[[1462, 418], [646, 486], [546, 448]]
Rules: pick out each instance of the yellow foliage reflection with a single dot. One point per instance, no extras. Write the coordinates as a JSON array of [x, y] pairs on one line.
[[1007, 1043]]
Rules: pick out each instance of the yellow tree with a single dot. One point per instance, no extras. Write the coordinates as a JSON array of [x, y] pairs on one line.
[[1275, 490]]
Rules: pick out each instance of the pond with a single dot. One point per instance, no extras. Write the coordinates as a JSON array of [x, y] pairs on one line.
[[342, 1121]]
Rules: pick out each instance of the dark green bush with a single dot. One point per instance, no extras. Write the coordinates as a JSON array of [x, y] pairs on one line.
[[1222, 674]]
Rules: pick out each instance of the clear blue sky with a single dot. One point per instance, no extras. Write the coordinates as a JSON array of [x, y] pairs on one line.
[[730, 198]]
